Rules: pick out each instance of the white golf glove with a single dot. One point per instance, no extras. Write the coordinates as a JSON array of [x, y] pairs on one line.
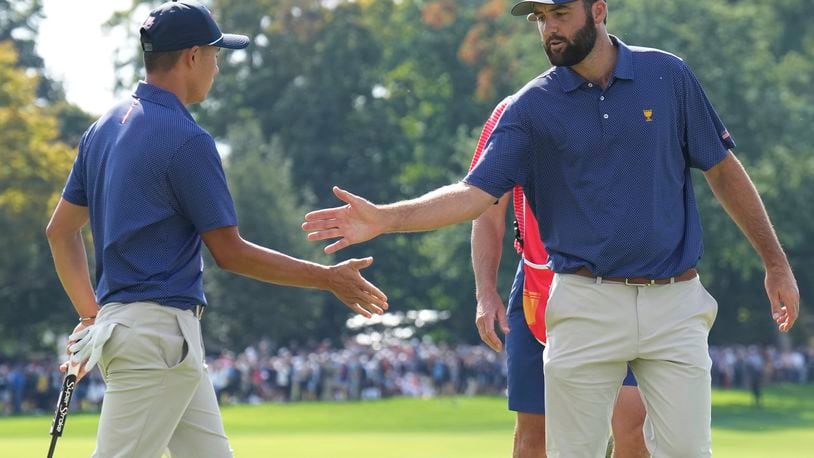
[[89, 343]]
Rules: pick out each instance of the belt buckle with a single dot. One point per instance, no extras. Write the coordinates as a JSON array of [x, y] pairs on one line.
[[649, 283]]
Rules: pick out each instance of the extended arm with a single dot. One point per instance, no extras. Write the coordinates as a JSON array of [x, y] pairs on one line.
[[487, 247], [360, 220], [734, 189], [234, 254]]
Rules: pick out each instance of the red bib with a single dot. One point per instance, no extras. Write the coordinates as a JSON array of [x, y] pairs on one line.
[[537, 277]]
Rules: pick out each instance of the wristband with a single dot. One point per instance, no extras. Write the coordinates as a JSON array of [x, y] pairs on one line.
[[85, 319]]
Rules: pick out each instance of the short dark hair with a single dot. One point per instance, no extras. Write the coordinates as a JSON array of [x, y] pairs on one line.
[[161, 61], [588, 4]]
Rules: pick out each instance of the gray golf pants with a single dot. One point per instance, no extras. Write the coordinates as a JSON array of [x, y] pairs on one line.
[[158, 396]]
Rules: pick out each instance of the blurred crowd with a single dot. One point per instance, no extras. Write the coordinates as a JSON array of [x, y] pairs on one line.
[[741, 366], [416, 368]]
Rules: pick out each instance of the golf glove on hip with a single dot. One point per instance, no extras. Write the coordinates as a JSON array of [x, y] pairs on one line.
[[89, 343]]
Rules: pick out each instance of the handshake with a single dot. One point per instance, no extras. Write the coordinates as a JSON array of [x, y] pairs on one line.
[[352, 223], [360, 220]]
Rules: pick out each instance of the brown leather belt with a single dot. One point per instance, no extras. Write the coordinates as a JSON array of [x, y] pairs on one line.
[[689, 274]]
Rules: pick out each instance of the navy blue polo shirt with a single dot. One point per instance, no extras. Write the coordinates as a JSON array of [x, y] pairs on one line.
[[153, 181], [607, 172]]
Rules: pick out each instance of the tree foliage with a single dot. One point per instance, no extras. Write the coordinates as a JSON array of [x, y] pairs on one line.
[[262, 188], [35, 164]]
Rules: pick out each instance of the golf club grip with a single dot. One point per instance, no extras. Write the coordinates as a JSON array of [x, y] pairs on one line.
[[64, 402]]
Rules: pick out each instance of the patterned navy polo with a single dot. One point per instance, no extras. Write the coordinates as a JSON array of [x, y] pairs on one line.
[[153, 181], [607, 172]]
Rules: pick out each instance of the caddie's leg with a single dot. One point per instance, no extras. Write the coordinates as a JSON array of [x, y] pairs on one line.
[[591, 336], [529, 436], [200, 432], [628, 424], [673, 368], [526, 384], [152, 372]]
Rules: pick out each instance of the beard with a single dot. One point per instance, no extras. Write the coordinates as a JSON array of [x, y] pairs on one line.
[[573, 51]]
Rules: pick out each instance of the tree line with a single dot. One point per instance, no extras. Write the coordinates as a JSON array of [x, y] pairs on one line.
[[386, 99]]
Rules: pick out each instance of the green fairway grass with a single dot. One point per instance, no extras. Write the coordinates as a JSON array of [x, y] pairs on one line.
[[442, 428]]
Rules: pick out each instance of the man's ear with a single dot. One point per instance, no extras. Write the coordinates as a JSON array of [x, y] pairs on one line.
[[190, 55], [186, 60], [600, 12], [194, 52]]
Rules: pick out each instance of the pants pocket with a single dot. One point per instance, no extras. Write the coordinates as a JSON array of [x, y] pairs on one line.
[[174, 348], [711, 307], [554, 294], [704, 306], [114, 345], [191, 348]]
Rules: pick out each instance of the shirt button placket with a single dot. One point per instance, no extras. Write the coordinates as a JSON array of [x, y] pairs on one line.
[[602, 99], [605, 124]]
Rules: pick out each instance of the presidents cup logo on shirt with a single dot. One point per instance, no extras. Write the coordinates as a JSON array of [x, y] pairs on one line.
[[648, 114]]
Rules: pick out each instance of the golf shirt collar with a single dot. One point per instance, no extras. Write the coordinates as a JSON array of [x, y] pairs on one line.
[[163, 97], [571, 80]]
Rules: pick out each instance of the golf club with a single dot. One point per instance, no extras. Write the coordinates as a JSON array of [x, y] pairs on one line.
[[63, 404]]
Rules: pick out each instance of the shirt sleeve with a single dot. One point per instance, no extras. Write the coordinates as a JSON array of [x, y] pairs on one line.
[[706, 139], [505, 159], [198, 184], [75, 187]]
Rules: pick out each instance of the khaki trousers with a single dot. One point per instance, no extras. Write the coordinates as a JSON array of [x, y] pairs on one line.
[[158, 393], [594, 329]]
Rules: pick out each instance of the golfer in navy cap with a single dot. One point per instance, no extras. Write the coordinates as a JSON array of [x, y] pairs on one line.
[[149, 180]]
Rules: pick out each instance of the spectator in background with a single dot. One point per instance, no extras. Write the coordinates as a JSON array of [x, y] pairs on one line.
[[17, 385], [754, 373]]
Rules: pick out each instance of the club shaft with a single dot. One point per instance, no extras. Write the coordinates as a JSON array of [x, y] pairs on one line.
[[52, 447], [63, 406]]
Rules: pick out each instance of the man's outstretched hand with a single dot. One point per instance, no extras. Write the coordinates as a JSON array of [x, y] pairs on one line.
[[356, 222], [348, 285]]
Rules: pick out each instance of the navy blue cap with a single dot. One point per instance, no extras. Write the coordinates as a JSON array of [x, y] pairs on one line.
[[180, 25], [526, 8]]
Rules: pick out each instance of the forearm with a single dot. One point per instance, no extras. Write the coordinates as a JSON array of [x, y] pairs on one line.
[[734, 189], [271, 266], [71, 263], [442, 207], [487, 247]]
